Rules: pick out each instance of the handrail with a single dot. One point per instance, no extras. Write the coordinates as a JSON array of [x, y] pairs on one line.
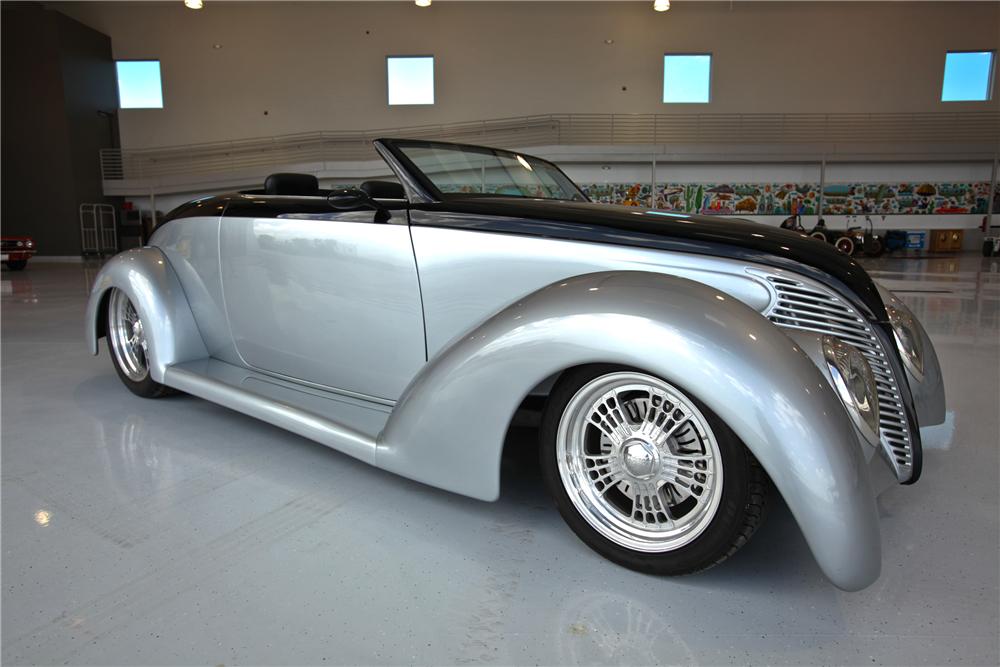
[[977, 127]]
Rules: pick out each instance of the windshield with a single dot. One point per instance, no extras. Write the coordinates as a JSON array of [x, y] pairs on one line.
[[471, 170]]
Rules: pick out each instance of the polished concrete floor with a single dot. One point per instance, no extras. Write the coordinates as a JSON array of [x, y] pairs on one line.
[[178, 532]]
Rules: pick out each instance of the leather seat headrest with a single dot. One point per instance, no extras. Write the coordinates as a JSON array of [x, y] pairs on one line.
[[384, 190], [305, 185]]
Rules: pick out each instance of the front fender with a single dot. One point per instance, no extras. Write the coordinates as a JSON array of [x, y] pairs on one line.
[[448, 427], [928, 391], [146, 276]]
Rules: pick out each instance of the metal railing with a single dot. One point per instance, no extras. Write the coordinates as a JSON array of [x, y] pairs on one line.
[[976, 127]]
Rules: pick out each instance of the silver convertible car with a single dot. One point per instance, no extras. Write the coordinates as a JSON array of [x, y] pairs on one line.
[[688, 366]]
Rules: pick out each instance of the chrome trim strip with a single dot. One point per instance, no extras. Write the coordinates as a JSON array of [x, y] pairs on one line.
[[346, 393]]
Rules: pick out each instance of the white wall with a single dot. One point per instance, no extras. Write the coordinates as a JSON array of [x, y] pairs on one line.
[[321, 66]]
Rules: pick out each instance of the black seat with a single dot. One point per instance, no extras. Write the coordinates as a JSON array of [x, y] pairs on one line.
[[383, 190], [303, 185]]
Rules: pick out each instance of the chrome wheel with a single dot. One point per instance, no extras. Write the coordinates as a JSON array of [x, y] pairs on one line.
[[639, 462], [127, 337]]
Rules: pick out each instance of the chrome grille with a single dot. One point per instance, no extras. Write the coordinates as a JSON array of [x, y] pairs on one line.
[[798, 304]]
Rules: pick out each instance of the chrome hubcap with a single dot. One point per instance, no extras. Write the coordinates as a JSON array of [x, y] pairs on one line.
[[128, 339], [639, 461]]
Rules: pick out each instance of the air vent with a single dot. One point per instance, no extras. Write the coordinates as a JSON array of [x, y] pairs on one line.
[[800, 305]]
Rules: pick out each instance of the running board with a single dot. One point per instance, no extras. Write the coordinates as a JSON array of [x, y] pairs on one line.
[[346, 424]]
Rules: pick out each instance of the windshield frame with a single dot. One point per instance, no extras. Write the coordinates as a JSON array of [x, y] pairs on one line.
[[395, 147]]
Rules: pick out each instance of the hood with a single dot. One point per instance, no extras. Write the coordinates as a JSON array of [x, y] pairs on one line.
[[634, 226]]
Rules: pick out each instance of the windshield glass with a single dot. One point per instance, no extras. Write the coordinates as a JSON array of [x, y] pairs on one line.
[[469, 170]]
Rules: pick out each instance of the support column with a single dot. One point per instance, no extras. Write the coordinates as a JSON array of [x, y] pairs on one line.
[[822, 187], [152, 212], [993, 193], [652, 185]]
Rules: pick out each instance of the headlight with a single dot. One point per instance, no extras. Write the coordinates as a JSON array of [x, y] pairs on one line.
[[20, 244], [855, 384], [29, 243], [908, 339]]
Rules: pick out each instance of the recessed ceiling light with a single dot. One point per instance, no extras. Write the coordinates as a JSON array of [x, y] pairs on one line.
[[194, 4], [661, 5], [422, 3], [609, 41], [216, 46]]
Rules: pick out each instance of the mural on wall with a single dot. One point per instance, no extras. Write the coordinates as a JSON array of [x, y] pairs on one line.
[[802, 198]]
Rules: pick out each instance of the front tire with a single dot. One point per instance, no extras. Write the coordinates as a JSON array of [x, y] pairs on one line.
[[646, 475], [845, 245], [128, 346], [17, 265]]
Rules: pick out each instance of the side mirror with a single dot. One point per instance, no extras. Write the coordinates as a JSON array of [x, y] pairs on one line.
[[347, 199]]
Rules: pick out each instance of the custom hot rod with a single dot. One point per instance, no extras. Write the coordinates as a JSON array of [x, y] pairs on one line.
[[689, 366]]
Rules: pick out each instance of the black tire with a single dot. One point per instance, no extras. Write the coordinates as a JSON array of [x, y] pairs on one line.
[[819, 236], [740, 512], [987, 248], [874, 248], [146, 387], [17, 265]]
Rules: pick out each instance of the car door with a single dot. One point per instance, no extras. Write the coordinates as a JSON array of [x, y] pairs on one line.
[[323, 296]]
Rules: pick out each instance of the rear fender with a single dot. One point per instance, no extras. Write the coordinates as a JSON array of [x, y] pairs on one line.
[[145, 275], [449, 425]]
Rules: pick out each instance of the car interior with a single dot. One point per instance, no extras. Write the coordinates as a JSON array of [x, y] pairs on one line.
[[306, 185]]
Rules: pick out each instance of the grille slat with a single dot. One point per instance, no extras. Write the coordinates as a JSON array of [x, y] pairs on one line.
[[792, 309], [805, 321], [818, 327], [807, 297], [799, 305]]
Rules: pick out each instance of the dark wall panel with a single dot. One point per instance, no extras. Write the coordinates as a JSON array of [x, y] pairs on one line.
[[56, 75], [37, 177]]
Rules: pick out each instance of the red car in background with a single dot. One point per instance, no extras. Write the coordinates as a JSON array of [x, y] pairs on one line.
[[15, 251]]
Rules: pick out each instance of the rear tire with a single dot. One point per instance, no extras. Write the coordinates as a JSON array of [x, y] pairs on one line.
[[127, 345], [873, 248], [987, 248], [678, 497]]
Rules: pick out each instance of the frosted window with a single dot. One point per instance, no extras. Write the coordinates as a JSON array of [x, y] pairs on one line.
[[139, 84], [411, 79], [687, 78], [967, 76]]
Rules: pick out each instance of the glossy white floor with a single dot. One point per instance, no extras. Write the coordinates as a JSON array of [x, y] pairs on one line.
[[175, 531]]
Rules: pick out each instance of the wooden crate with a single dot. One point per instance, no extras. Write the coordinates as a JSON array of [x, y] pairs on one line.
[[946, 240]]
